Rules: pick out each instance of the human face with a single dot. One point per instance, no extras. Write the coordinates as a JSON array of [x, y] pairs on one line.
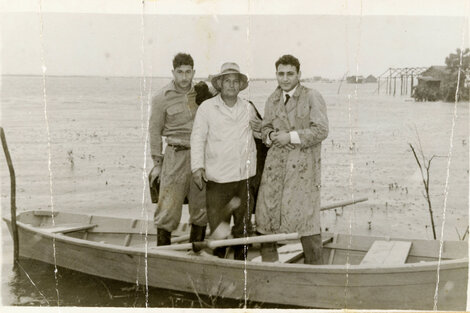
[[183, 76], [230, 85], [287, 76]]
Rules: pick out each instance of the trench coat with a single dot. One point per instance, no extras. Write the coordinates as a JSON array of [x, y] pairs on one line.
[[289, 194]]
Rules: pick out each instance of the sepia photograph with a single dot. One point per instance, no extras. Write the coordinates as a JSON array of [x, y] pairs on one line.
[[216, 154]]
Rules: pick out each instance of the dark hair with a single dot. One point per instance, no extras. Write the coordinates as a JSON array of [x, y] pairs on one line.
[[202, 92], [288, 59], [182, 59]]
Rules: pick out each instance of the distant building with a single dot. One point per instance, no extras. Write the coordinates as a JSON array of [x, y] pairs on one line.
[[429, 83], [371, 79], [355, 79], [433, 76], [436, 71]]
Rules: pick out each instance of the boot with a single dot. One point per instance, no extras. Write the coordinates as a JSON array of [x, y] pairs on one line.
[[240, 252], [220, 252], [269, 252], [312, 246], [163, 237], [198, 233]]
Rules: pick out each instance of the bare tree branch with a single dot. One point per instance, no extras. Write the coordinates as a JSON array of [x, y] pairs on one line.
[[425, 178]]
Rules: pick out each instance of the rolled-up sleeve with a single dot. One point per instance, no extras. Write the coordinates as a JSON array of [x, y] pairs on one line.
[[318, 128], [156, 124], [198, 138]]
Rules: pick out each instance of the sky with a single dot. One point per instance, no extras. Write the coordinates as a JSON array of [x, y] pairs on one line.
[[77, 41]]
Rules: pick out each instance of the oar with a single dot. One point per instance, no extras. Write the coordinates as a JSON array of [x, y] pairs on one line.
[[247, 240], [197, 246], [328, 207], [342, 204]]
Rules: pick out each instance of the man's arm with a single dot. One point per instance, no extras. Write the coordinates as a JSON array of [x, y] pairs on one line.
[[198, 139], [156, 124], [255, 121], [267, 123], [198, 142], [318, 129]]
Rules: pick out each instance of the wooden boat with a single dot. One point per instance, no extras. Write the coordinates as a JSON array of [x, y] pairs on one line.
[[359, 272]]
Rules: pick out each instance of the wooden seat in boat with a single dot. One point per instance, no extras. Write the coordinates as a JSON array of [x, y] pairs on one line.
[[387, 253], [291, 253], [68, 228]]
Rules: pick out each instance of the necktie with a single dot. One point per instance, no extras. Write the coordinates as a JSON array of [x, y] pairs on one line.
[[287, 99]]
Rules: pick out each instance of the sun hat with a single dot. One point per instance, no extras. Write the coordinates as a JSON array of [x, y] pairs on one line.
[[229, 68]]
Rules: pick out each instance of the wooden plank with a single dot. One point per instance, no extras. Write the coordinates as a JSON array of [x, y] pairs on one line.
[[68, 228], [387, 252], [290, 253]]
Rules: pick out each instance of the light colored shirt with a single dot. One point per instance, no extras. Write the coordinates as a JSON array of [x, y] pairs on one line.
[[222, 141], [294, 136], [290, 93]]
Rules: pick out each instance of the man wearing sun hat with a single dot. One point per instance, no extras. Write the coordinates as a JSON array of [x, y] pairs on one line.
[[223, 153]]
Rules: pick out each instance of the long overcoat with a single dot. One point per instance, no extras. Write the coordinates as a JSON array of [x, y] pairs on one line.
[[289, 195]]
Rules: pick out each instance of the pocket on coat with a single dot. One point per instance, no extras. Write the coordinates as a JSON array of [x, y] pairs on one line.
[[175, 109], [303, 110]]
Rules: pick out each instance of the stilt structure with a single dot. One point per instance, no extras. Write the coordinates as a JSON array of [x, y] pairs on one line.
[[406, 76]]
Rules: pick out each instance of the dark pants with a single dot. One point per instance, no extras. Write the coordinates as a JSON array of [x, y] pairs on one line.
[[255, 181], [218, 195]]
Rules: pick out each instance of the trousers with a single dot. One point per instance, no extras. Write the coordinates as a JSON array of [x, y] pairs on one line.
[[176, 184], [218, 196]]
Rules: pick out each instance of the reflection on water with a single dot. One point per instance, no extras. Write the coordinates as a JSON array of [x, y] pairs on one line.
[[33, 284]]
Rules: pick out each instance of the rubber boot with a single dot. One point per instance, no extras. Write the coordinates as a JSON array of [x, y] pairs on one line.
[[269, 252], [198, 233], [312, 246], [240, 252], [163, 237], [220, 252]]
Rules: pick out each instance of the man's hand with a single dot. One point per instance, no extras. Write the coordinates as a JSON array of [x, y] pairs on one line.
[[199, 177], [255, 124], [281, 139], [155, 173]]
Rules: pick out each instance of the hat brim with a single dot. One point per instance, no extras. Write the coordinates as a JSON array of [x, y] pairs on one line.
[[215, 80]]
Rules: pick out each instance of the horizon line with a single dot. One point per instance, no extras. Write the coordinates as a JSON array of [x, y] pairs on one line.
[[132, 76]]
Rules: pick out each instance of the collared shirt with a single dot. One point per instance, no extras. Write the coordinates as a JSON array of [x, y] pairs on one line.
[[294, 136], [290, 93], [172, 115], [222, 141]]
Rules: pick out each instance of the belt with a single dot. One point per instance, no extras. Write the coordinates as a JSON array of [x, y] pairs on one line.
[[179, 147]]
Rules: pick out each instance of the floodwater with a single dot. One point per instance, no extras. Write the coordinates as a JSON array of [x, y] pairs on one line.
[[97, 137]]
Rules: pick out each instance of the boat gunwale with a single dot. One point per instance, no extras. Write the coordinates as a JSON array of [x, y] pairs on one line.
[[285, 267]]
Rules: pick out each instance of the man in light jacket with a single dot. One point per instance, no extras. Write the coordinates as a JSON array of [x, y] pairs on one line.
[[223, 153], [294, 125]]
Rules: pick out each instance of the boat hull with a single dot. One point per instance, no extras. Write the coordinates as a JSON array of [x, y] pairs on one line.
[[409, 286]]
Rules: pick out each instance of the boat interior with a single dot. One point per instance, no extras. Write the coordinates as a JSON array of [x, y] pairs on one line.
[[338, 249]]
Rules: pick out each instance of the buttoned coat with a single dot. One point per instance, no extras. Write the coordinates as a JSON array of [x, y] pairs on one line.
[[289, 195]]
